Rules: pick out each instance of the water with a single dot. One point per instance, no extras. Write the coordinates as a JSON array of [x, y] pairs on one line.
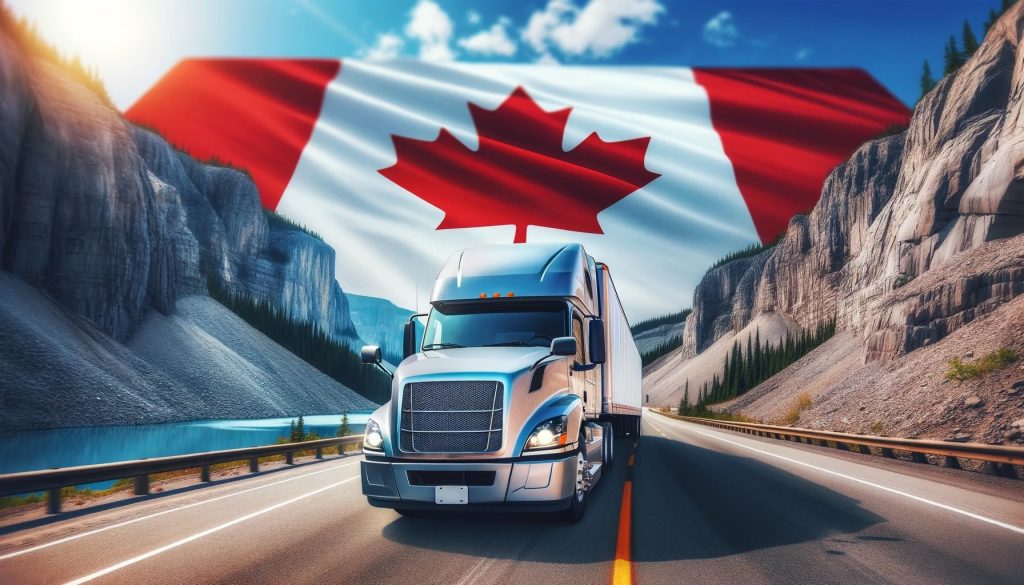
[[45, 449]]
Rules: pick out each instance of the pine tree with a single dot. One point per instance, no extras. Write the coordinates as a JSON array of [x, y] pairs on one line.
[[300, 429], [993, 16], [291, 433], [344, 430], [970, 41], [927, 81], [952, 57]]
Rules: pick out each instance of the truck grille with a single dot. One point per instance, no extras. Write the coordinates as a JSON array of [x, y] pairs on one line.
[[452, 417]]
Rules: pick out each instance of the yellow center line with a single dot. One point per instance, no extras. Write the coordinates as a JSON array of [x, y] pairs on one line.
[[622, 570]]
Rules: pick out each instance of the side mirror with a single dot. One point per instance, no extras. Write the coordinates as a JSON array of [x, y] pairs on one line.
[[370, 355], [409, 339], [563, 346], [597, 342]]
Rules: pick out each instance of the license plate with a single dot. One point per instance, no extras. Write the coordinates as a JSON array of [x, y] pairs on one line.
[[451, 494]]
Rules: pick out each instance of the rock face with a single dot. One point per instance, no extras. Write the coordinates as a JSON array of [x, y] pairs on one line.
[[112, 222], [109, 241], [902, 206]]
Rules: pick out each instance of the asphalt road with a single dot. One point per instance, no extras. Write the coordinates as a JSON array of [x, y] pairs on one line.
[[708, 506]]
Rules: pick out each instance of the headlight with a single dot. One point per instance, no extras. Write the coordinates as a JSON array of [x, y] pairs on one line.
[[372, 439], [548, 434]]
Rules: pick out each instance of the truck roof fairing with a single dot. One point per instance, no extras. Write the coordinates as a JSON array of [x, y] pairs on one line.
[[524, 270]]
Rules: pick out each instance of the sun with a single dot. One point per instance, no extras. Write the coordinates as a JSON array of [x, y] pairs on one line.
[[105, 34]]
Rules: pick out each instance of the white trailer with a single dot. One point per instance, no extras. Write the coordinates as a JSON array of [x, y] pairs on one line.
[[621, 391]]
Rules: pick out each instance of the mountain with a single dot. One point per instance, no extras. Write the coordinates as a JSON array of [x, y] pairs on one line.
[[115, 231], [915, 237], [380, 322]]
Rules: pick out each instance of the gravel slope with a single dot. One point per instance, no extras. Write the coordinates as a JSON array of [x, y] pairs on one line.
[[58, 370]]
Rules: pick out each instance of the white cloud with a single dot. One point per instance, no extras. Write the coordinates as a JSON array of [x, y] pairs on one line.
[[803, 53], [721, 30], [547, 59], [388, 46], [493, 41], [429, 24], [473, 17], [598, 29]]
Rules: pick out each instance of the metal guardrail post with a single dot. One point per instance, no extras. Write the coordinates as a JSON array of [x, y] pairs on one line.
[[53, 501], [204, 473], [254, 465], [141, 484], [289, 458], [320, 452]]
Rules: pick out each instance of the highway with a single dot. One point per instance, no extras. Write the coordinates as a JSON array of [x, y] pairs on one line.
[[707, 506]]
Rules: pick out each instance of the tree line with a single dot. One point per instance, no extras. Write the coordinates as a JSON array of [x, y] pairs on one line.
[[309, 342], [744, 369], [954, 56]]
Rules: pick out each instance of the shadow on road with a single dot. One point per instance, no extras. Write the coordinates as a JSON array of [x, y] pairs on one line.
[[688, 503], [695, 503]]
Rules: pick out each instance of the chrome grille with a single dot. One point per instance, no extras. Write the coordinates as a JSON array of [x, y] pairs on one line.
[[452, 417]]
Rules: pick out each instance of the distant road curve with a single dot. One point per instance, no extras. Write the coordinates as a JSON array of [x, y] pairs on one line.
[[707, 506]]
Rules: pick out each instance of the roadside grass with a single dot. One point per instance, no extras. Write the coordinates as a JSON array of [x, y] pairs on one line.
[[960, 370], [702, 411], [803, 402]]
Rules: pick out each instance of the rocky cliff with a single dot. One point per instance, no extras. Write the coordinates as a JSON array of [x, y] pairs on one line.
[[902, 206], [113, 225], [112, 221]]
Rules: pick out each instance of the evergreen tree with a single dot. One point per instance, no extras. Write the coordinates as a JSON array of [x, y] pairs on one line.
[[970, 41], [927, 81], [300, 429], [344, 430], [993, 16], [952, 57], [291, 433]]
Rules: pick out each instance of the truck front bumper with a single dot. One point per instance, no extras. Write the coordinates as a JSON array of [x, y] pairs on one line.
[[532, 484]]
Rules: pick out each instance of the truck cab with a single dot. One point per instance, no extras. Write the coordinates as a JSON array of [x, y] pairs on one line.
[[508, 400]]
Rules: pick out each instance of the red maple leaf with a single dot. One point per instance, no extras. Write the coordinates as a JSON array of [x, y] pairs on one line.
[[519, 174]]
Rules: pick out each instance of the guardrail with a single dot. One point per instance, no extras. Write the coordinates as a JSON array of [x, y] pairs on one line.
[[1000, 459], [52, 480]]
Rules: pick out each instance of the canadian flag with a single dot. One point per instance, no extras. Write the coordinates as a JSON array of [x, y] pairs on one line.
[[657, 171]]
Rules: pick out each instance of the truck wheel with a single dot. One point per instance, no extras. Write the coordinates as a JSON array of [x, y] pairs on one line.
[[579, 497]]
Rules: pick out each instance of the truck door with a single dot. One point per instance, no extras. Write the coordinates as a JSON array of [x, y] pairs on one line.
[[584, 381]]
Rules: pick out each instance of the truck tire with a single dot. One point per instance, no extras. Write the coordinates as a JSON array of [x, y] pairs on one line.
[[578, 504]]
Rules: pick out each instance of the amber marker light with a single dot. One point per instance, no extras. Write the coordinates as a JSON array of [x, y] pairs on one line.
[[497, 295], [510, 294], [483, 295]]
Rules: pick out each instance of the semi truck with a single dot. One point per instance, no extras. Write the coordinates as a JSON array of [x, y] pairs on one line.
[[511, 394]]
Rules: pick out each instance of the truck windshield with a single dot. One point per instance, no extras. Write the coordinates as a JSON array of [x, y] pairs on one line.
[[495, 324]]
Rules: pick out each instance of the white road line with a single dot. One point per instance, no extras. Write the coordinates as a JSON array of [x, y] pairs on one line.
[[206, 532], [948, 508], [161, 513]]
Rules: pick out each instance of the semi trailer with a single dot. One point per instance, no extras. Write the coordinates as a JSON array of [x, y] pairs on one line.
[[525, 372]]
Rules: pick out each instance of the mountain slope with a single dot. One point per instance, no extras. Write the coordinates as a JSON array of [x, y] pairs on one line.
[[57, 369], [116, 233], [882, 252]]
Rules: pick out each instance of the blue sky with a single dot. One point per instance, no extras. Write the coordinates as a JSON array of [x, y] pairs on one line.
[[133, 42]]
